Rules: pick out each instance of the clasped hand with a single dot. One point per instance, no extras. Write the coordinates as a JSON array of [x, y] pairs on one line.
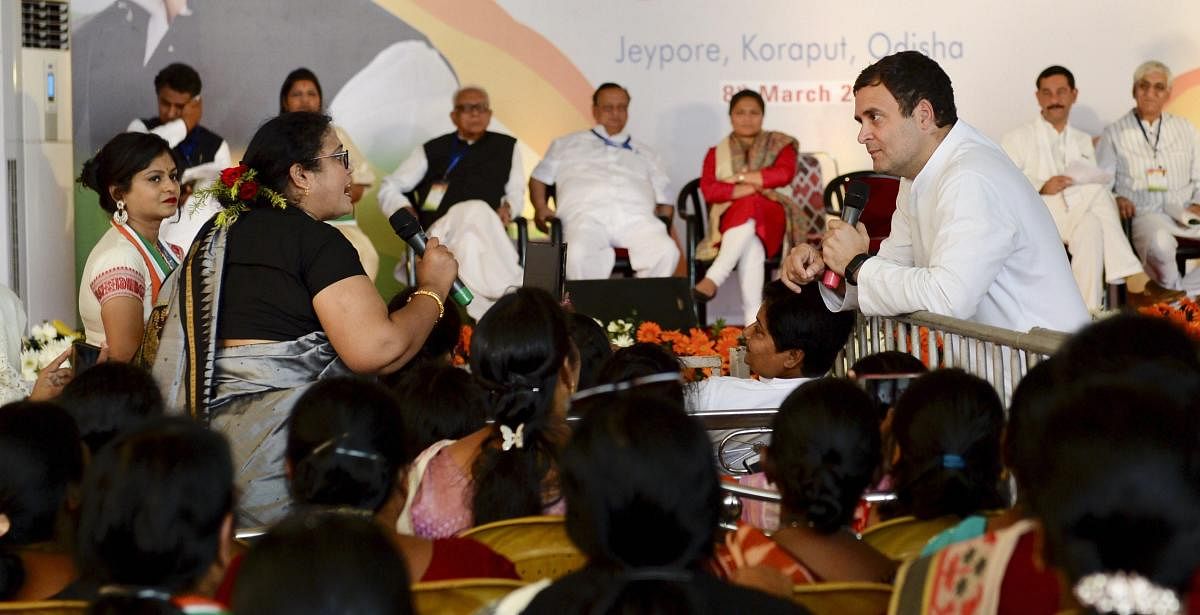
[[841, 243]]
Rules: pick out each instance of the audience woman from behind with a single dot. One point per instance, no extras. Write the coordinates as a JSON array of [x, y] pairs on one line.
[[346, 450], [324, 563], [156, 530], [522, 355], [947, 428], [823, 453], [438, 402], [41, 466], [273, 300], [136, 176], [749, 215], [109, 398], [1120, 499], [642, 505]]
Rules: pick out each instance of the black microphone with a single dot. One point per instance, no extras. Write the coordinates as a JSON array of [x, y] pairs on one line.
[[409, 229], [852, 208]]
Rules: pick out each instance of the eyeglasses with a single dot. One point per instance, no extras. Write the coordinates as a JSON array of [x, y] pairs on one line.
[[474, 108], [342, 156]]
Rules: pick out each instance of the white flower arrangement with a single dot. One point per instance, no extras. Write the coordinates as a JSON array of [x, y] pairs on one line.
[[45, 342], [620, 333]]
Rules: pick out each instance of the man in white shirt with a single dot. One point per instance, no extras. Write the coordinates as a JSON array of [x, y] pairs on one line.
[[464, 185], [203, 152], [1060, 162], [970, 238], [794, 339], [1155, 158], [608, 189]]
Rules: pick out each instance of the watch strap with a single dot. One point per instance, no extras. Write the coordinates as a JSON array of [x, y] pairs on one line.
[[853, 266]]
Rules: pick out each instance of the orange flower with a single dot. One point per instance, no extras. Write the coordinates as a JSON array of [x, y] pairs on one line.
[[463, 350], [649, 333]]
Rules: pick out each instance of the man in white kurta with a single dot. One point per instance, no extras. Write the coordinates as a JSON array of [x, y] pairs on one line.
[[608, 189], [1060, 161], [468, 181], [1155, 157], [970, 238]]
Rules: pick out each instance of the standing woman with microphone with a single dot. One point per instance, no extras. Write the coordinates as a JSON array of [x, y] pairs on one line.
[[271, 299]]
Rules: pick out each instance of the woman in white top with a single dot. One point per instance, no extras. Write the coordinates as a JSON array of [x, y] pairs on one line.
[[137, 178]]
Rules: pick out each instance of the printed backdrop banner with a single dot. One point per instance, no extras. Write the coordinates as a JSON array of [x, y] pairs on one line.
[[390, 67]]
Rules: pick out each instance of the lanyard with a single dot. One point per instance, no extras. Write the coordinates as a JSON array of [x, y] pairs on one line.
[[456, 156], [1146, 135], [611, 143]]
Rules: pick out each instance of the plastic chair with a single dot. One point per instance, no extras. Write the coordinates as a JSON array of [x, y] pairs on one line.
[[903, 538], [459, 596], [46, 607], [847, 598], [537, 546], [880, 204]]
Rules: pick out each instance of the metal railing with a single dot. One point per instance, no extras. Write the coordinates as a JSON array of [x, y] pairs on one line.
[[1000, 356]]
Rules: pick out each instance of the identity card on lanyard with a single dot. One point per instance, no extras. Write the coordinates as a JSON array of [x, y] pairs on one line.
[[437, 191], [1156, 174]]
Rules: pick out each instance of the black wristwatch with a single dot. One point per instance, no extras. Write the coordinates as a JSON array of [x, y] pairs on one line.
[[852, 268]]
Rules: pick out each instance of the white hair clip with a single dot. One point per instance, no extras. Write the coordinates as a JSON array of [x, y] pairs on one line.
[[1125, 593], [512, 437]]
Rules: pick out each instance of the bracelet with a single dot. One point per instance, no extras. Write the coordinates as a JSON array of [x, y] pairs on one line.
[[853, 266], [431, 295]]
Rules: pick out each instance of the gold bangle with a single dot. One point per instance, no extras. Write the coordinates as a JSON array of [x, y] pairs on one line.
[[431, 295]]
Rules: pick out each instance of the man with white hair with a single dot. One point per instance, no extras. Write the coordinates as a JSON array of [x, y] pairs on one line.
[[464, 185], [1060, 161], [1155, 157]]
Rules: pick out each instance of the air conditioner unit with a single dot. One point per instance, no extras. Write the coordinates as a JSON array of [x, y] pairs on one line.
[[37, 232]]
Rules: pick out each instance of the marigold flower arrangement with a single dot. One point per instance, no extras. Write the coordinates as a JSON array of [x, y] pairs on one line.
[[236, 187], [714, 341], [1184, 313]]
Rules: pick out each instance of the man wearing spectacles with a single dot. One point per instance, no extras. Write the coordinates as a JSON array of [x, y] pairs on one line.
[[464, 185], [1155, 157], [203, 152]]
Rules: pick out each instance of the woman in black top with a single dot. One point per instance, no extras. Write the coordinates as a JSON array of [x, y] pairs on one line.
[[270, 299]]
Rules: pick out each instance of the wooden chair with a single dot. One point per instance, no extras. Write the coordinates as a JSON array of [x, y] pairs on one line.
[[537, 546], [46, 607], [847, 598], [904, 537], [459, 596]]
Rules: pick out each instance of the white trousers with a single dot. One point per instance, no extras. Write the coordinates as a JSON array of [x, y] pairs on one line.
[[741, 247], [591, 238], [488, 263], [1087, 221]]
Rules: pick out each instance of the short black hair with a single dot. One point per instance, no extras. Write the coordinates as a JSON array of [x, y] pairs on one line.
[[912, 76], [179, 77], [1052, 71], [438, 402], [608, 85], [593, 345], [109, 398], [801, 321], [751, 94]]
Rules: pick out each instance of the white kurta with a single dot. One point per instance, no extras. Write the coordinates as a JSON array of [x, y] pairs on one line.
[[1085, 214], [1127, 152], [488, 263], [605, 196], [971, 240]]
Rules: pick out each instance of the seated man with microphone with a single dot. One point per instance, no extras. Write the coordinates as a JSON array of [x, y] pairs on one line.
[[970, 238]]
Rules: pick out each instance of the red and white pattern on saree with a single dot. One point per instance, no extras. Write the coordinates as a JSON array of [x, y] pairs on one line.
[[119, 282]]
